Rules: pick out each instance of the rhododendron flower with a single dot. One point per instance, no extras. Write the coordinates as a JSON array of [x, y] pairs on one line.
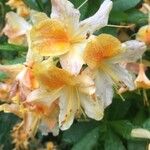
[[144, 34], [16, 28], [64, 35], [73, 92], [22, 9], [142, 80], [103, 54]]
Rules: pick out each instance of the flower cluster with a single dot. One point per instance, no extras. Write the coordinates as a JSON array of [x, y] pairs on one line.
[[69, 72]]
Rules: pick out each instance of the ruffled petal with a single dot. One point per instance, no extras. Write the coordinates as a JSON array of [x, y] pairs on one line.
[[15, 26], [132, 51], [93, 106], [104, 87], [98, 20], [65, 11], [73, 60], [68, 108], [49, 38]]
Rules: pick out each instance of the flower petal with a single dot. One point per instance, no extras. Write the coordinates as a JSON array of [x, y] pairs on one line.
[[123, 76], [98, 20], [140, 133], [133, 50], [93, 106], [73, 60], [49, 38], [104, 88], [65, 11], [53, 78], [100, 48], [68, 108], [43, 96], [15, 26], [37, 16]]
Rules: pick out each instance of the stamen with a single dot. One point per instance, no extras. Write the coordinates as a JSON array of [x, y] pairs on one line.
[[146, 102], [82, 4]]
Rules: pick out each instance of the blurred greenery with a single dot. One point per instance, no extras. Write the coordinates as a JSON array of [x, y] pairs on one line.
[[111, 133]]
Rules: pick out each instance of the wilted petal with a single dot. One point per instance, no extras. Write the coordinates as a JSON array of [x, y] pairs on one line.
[[68, 108], [104, 88], [65, 11], [98, 20], [93, 106], [49, 38], [133, 50], [15, 25], [140, 133], [73, 60]]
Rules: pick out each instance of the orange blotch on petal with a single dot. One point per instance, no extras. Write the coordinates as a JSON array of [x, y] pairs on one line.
[[100, 48], [49, 38], [53, 78]]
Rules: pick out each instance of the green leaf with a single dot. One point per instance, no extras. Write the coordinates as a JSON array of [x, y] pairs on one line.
[[118, 17], [12, 47], [137, 145], [88, 141], [78, 131], [113, 142], [123, 128], [123, 5], [137, 17], [146, 124], [7, 121]]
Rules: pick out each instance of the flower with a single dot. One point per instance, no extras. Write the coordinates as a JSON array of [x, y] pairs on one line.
[[74, 93], [142, 81], [103, 54], [64, 36], [16, 28], [22, 9], [144, 34]]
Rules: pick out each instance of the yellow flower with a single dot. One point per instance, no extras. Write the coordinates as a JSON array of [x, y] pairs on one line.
[[144, 34], [63, 35], [74, 92], [103, 54]]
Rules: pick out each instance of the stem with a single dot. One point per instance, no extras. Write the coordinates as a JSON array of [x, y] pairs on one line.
[[82, 4]]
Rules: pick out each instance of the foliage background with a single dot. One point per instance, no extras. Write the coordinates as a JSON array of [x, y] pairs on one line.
[[111, 133]]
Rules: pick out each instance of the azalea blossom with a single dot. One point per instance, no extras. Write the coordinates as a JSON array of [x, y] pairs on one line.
[[64, 36], [142, 80], [76, 94], [144, 34], [22, 9], [16, 28], [104, 54]]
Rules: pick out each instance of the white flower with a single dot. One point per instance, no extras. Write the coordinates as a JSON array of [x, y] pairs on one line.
[[103, 54]]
